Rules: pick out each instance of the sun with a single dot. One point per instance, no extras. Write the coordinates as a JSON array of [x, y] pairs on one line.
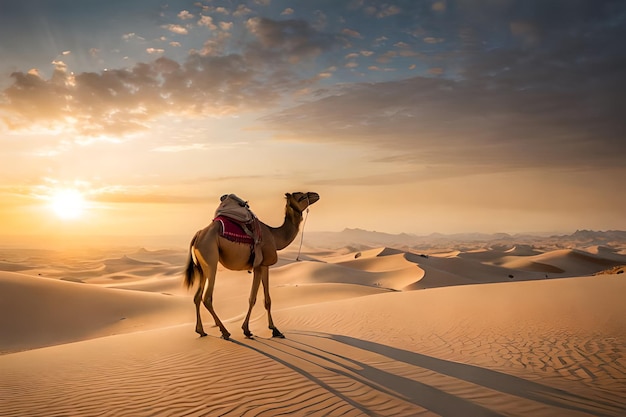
[[68, 203]]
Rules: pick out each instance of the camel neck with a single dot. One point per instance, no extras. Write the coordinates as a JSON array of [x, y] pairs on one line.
[[287, 232]]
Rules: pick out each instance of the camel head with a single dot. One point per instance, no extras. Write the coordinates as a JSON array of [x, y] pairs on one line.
[[300, 201]]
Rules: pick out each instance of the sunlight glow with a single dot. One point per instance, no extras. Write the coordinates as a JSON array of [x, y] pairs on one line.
[[68, 203]]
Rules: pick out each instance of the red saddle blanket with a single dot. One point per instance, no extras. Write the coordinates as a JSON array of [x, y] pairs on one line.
[[233, 230]]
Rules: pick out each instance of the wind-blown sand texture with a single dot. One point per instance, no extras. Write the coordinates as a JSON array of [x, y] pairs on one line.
[[380, 332]]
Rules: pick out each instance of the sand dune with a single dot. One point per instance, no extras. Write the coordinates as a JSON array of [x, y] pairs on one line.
[[40, 312], [373, 269], [522, 250], [565, 261], [111, 333]]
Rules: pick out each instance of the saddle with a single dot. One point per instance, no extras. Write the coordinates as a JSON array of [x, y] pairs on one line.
[[240, 224]]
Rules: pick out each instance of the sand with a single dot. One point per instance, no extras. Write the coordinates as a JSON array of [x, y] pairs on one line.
[[380, 332]]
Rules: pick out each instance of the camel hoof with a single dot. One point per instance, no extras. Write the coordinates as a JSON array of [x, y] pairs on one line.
[[246, 332], [226, 336], [276, 333]]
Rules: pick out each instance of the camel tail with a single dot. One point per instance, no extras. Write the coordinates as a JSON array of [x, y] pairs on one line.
[[190, 271]]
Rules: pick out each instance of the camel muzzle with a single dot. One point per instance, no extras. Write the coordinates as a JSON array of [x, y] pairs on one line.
[[312, 197]]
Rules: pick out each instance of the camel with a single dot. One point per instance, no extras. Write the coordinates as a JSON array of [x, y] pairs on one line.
[[208, 247]]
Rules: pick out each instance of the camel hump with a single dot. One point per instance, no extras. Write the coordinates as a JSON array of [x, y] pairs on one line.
[[233, 207]]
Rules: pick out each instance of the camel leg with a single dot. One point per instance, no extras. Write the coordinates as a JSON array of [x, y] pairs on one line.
[[210, 270], [208, 303], [197, 299], [265, 279], [252, 301]]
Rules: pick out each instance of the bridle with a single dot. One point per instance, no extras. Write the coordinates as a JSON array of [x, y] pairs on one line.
[[305, 196], [299, 200]]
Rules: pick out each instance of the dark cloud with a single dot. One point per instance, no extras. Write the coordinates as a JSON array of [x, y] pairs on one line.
[[548, 91], [295, 39], [442, 121]]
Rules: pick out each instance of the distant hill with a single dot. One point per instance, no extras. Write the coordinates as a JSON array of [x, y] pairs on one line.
[[359, 239], [597, 238]]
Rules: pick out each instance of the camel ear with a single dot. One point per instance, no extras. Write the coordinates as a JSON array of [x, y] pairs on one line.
[[287, 195]]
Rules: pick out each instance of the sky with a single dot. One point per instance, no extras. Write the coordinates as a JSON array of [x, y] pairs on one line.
[[414, 116]]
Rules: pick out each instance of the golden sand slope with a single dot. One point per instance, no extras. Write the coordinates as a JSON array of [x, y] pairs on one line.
[[38, 312]]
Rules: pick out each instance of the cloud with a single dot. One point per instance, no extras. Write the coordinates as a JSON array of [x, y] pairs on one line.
[[380, 10], [208, 22], [294, 39], [432, 40], [388, 10], [439, 122], [548, 93], [352, 33], [550, 96], [185, 15], [178, 29], [436, 71], [241, 11], [119, 102], [226, 26], [222, 10]]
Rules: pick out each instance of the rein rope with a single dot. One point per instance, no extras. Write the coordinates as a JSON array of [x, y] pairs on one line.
[[303, 225]]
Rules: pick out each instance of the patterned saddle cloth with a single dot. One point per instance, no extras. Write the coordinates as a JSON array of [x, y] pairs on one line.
[[233, 230]]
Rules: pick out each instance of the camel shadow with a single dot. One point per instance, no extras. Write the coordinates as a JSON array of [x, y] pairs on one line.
[[488, 378], [294, 353]]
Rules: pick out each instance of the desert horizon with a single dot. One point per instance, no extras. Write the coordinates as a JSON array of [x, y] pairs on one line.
[[317, 237]]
